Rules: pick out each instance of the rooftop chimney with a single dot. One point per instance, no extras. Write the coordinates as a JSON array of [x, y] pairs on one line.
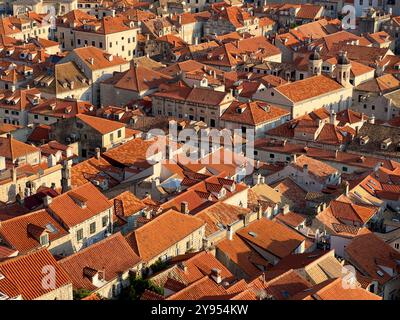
[[97, 153], [216, 275], [184, 207], [229, 233], [285, 209], [333, 117], [346, 188], [372, 119], [47, 201]]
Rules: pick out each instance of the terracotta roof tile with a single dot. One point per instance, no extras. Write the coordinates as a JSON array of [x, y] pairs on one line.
[[103, 126], [308, 88], [112, 256], [71, 213], [24, 275], [253, 113], [272, 236], [23, 232], [162, 232]]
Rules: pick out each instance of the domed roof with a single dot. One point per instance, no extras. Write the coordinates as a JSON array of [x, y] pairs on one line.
[[342, 59], [314, 56]]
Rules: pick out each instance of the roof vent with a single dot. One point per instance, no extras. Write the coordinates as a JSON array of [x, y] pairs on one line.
[[253, 234]]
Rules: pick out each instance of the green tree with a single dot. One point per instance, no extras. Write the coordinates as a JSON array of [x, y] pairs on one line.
[[81, 293], [137, 287], [158, 266]]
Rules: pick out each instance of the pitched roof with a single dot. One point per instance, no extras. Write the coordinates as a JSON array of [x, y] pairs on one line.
[[308, 88], [131, 153], [253, 113], [220, 214], [243, 255], [284, 286], [101, 59], [383, 83], [372, 256], [13, 149], [62, 108], [94, 169], [316, 168], [292, 191], [192, 95], [333, 289], [17, 232], [162, 233], [189, 268], [138, 78], [130, 203], [112, 255], [103, 126], [291, 219], [272, 236], [66, 206], [23, 275]]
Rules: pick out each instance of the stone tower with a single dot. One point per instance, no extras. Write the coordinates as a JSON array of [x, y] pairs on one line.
[[343, 68], [314, 64]]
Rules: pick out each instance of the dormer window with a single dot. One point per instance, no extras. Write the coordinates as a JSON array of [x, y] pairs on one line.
[[97, 277], [44, 239], [386, 143], [364, 140]]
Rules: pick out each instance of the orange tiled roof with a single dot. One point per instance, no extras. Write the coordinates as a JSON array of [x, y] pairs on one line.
[[190, 268], [62, 108], [71, 213], [220, 214], [370, 254], [243, 255], [138, 78], [93, 168], [333, 289], [162, 233], [316, 168], [272, 236], [16, 232], [308, 88], [253, 113], [12, 149], [103, 126], [23, 275], [101, 59], [112, 255], [130, 203], [291, 219], [131, 153]]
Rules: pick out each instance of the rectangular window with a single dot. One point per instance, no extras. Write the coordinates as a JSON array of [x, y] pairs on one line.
[[111, 136], [104, 221], [92, 227], [36, 116], [79, 235], [119, 133]]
